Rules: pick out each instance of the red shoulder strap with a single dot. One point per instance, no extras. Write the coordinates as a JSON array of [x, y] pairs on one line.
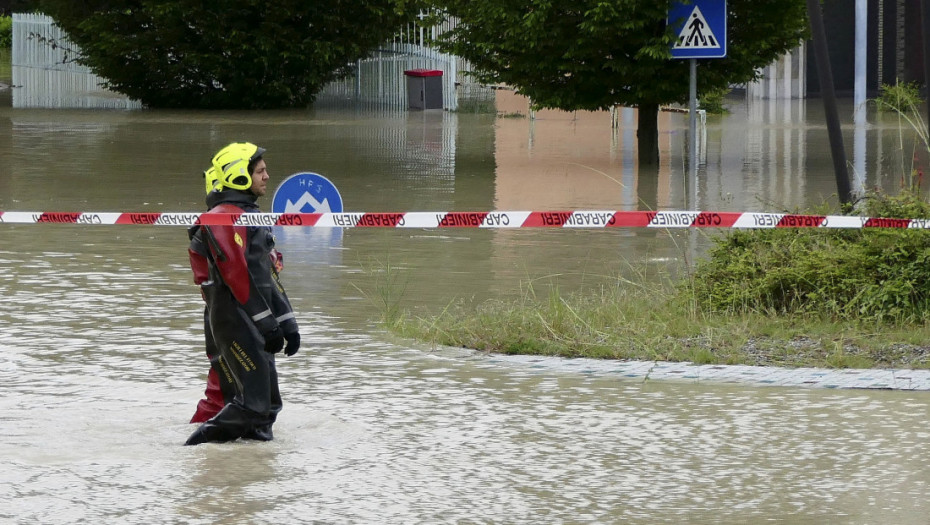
[[227, 245]]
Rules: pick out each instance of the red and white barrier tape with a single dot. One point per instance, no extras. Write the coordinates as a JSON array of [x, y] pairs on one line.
[[491, 219]]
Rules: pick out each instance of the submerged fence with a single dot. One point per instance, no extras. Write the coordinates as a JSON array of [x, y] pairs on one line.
[[379, 80], [46, 74]]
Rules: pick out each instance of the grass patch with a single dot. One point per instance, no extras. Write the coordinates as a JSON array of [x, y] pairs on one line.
[[387, 289], [634, 322], [788, 297]]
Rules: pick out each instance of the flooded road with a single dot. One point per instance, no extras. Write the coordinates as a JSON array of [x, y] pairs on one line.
[[101, 358]]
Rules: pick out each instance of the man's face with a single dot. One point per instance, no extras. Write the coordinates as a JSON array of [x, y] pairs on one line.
[[259, 179]]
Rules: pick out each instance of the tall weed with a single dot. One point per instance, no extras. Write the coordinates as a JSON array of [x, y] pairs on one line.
[[903, 98]]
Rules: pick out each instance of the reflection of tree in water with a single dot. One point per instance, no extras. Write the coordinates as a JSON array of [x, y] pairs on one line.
[[647, 187]]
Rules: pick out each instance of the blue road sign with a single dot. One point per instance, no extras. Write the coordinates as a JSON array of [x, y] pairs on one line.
[[306, 193], [701, 27]]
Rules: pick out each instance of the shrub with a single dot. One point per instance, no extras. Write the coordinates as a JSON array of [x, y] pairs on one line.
[[234, 54], [6, 31], [712, 101], [878, 275], [902, 97]]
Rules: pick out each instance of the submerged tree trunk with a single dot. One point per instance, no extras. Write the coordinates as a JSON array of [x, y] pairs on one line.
[[647, 187], [647, 134]]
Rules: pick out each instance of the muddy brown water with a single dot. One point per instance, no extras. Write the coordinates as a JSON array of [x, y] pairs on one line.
[[101, 350]]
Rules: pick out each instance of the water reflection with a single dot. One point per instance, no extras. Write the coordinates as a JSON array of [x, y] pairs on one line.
[[101, 360], [763, 156]]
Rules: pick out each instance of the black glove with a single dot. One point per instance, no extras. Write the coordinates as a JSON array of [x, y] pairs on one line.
[[274, 340], [293, 343]]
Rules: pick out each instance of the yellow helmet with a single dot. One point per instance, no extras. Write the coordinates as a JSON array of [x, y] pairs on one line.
[[211, 179], [233, 165]]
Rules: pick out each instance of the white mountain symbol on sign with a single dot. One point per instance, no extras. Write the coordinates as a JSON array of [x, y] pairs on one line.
[[696, 34], [306, 198]]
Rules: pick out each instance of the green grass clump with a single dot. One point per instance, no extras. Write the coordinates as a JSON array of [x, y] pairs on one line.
[[634, 322], [869, 275]]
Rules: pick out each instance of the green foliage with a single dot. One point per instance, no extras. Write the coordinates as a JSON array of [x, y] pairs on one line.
[[593, 54], [712, 101], [878, 275], [6, 31], [225, 54], [904, 99]]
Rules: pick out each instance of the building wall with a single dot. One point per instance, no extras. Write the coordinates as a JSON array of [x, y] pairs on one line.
[[893, 34]]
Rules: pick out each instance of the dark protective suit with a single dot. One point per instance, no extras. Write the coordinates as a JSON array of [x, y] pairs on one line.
[[245, 303], [221, 387]]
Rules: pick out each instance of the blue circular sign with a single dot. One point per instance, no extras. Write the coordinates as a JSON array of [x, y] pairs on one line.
[[306, 193]]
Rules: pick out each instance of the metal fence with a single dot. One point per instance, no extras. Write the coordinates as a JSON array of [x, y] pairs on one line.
[[46, 74], [380, 81]]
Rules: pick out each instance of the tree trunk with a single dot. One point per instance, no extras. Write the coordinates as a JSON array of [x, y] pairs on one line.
[[647, 134]]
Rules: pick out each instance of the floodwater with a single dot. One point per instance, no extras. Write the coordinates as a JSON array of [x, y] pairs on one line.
[[101, 347]]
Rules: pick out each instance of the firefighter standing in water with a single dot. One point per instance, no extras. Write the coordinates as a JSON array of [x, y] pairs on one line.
[[221, 388], [248, 313]]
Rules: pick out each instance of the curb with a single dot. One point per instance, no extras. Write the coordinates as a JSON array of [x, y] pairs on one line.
[[874, 379]]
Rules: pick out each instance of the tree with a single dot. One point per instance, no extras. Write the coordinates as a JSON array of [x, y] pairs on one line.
[[235, 54], [8, 7], [594, 54]]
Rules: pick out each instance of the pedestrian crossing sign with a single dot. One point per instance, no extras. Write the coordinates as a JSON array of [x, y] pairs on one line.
[[700, 27]]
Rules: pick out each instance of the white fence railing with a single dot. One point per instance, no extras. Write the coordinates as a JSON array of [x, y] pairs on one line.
[[379, 80], [45, 73]]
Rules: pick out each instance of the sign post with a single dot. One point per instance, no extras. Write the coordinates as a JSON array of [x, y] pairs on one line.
[[701, 26]]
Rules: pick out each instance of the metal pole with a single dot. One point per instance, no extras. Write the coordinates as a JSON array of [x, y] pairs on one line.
[[692, 131], [860, 56], [925, 27], [692, 157], [825, 74], [859, 142]]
